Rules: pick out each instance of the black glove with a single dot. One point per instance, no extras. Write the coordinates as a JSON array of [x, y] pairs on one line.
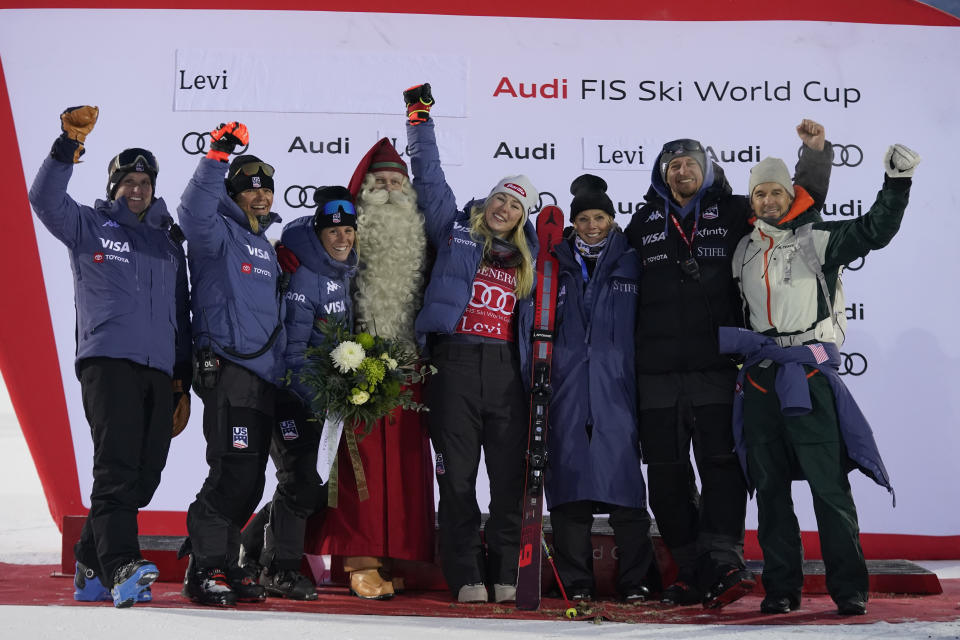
[[418, 100], [225, 139]]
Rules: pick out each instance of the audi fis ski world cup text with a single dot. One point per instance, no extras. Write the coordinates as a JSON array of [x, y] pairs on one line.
[[717, 90]]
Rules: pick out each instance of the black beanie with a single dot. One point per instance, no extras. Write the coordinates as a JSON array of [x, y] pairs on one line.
[[131, 161], [238, 181], [590, 192], [343, 214]]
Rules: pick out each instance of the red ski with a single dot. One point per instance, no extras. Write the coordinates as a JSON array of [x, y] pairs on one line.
[[549, 233]]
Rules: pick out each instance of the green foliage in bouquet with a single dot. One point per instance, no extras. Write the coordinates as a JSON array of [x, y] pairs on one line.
[[361, 377]]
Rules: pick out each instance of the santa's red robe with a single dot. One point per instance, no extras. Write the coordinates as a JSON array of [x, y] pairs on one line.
[[397, 520]]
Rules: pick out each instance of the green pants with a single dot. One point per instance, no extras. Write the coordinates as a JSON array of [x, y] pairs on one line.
[[784, 448]]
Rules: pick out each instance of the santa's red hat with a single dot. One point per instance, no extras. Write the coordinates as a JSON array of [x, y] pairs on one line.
[[381, 157]]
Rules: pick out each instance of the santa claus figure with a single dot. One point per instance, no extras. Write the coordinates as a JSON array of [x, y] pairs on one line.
[[397, 520]]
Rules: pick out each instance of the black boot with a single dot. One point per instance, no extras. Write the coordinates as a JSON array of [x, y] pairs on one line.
[[288, 583], [207, 586], [733, 584], [245, 586]]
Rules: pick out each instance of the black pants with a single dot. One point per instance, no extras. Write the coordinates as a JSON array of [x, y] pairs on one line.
[[704, 532], [237, 424], [130, 411], [299, 494], [573, 546], [478, 401]]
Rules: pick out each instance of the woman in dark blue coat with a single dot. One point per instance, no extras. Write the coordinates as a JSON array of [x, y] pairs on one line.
[[594, 451]]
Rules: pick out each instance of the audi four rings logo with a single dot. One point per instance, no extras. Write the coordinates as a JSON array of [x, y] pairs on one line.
[[196, 143], [854, 364], [845, 155], [493, 297], [296, 196]]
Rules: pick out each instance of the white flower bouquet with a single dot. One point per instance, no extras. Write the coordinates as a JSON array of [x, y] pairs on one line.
[[360, 378]]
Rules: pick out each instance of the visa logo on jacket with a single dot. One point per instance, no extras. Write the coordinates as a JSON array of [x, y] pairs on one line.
[[259, 253], [115, 245]]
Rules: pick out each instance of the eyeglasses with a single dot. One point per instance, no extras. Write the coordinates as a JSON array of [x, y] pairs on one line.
[[253, 168], [344, 206], [135, 159], [683, 145]]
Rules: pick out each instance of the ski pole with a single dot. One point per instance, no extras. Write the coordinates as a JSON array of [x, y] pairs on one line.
[[571, 611]]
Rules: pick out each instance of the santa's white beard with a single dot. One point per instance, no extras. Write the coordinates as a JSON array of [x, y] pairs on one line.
[[391, 244]]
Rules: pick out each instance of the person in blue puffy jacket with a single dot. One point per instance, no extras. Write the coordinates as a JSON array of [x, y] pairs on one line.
[[475, 324], [594, 445], [133, 348], [319, 291], [239, 340]]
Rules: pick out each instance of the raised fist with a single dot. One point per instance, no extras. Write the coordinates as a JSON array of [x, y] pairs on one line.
[[418, 100], [225, 138], [77, 122], [812, 133], [900, 161]]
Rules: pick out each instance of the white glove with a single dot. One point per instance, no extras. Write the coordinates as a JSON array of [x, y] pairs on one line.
[[900, 161]]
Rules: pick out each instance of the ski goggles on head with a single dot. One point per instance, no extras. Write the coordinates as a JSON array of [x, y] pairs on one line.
[[683, 146], [343, 206], [253, 168], [134, 160]]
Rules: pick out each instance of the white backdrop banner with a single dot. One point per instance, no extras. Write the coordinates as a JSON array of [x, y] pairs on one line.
[[550, 99], [325, 81]]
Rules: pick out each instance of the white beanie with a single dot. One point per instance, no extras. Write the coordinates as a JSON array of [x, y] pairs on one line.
[[520, 188], [771, 170]]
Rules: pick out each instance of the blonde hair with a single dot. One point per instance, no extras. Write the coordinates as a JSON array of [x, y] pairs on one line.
[[480, 231]]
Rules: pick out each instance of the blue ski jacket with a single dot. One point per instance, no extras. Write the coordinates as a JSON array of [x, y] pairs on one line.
[[234, 275], [319, 289], [129, 277], [794, 394], [458, 254], [593, 381]]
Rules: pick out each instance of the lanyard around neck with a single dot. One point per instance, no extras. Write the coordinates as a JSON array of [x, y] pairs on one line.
[[693, 234]]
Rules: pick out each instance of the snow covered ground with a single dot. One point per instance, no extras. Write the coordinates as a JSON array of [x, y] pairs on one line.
[[28, 535]]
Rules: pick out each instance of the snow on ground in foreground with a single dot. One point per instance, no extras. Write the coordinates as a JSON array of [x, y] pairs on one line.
[[28, 535]]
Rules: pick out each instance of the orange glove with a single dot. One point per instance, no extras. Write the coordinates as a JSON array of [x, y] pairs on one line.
[[76, 123], [225, 139]]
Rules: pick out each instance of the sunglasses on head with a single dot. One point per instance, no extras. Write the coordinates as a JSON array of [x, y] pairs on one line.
[[253, 168], [136, 160], [683, 145], [344, 206]]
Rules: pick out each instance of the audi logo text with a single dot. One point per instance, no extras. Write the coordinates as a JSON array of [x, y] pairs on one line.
[[296, 196], [853, 364], [195, 143], [845, 155]]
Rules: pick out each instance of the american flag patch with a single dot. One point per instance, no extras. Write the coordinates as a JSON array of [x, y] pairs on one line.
[[288, 429], [819, 352], [240, 440]]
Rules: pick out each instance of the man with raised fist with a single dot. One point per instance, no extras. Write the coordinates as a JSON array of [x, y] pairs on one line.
[[239, 341], [794, 418], [685, 233], [133, 348]]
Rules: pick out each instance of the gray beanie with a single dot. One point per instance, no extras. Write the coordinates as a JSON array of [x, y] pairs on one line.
[[771, 170], [520, 188]]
